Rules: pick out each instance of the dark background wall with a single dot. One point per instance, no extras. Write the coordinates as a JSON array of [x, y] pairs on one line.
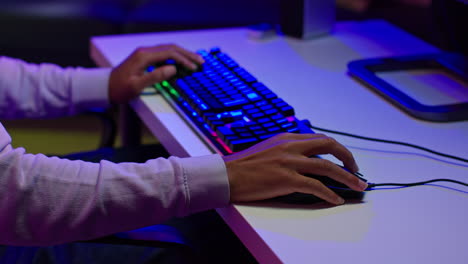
[[59, 30]]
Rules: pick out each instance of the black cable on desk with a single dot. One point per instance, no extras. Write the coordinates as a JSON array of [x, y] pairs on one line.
[[372, 185], [390, 142]]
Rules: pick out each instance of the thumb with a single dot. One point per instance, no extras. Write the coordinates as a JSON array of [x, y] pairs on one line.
[[160, 74]]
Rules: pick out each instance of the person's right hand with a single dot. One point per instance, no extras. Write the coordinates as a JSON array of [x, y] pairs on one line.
[[275, 167]]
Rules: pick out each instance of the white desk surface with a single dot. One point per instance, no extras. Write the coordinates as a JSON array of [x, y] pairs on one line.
[[424, 224]]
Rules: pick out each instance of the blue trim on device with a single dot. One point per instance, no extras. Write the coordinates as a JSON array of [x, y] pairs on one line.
[[365, 70]]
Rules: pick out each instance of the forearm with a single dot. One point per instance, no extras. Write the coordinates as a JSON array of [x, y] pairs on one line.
[[46, 200], [46, 90]]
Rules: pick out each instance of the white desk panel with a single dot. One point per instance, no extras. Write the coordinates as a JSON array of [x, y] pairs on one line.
[[413, 225]]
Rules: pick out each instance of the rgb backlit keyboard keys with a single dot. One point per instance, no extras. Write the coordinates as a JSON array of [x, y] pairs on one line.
[[229, 105]]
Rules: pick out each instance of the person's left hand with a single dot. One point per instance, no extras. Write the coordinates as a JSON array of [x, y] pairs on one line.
[[129, 78]]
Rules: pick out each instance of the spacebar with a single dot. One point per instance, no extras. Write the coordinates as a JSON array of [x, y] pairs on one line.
[[241, 144]]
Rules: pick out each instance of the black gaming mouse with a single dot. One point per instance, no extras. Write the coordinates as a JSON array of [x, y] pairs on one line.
[[339, 188]]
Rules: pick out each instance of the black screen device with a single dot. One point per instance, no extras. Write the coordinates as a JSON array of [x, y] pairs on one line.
[[306, 19]]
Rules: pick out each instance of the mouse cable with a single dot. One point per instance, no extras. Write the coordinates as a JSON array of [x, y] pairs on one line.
[[388, 141], [372, 185]]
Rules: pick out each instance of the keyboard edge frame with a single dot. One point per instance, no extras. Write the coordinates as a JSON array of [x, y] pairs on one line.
[[200, 134]]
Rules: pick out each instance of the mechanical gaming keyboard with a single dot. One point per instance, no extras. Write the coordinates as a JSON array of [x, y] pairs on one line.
[[231, 110], [229, 106]]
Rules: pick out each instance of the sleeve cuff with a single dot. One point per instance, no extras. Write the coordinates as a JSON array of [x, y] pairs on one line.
[[90, 87], [207, 181]]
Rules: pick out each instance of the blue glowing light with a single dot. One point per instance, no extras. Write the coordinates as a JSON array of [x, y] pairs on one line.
[[252, 95], [150, 68]]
